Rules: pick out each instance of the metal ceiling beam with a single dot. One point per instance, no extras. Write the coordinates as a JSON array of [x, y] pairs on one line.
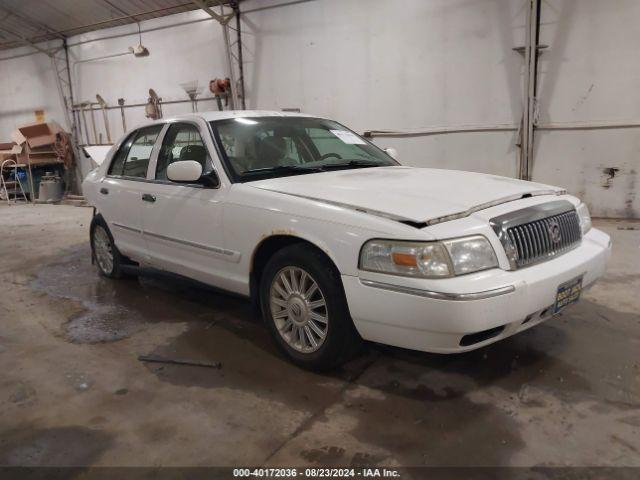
[[124, 17], [25, 41], [33, 23], [120, 10], [223, 19], [63, 33]]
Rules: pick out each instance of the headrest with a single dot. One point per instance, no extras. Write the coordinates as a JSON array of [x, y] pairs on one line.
[[194, 152]]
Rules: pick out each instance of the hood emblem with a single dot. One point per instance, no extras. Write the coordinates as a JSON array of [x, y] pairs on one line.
[[555, 233]]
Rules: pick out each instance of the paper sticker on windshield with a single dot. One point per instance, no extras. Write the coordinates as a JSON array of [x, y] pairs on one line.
[[348, 137]]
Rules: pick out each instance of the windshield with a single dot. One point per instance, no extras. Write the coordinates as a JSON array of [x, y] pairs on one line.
[[263, 147]]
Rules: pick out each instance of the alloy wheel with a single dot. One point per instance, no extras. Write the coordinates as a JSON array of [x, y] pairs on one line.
[[102, 249], [299, 309]]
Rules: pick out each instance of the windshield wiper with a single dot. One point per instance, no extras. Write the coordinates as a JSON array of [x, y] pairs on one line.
[[282, 169], [351, 164]]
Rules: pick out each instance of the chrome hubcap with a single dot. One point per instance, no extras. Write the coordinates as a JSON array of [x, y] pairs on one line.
[[102, 249], [299, 309]]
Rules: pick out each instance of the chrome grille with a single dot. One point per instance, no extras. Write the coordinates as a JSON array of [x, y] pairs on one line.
[[538, 233]]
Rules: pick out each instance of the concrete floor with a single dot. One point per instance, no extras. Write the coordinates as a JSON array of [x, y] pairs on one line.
[[72, 391]]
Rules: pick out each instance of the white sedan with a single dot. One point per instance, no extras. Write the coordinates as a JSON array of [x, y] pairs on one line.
[[336, 241]]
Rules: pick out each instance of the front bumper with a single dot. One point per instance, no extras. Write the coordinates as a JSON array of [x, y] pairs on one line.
[[467, 312]]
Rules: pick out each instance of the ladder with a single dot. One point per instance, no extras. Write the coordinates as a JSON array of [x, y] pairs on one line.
[[11, 187]]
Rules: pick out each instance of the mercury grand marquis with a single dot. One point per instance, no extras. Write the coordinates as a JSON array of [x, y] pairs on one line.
[[334, 240]]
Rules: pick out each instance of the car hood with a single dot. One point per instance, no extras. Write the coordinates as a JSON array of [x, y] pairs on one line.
[[420, 195]]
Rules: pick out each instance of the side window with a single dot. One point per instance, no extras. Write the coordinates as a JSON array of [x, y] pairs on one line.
[[181, 142], [139, 153]]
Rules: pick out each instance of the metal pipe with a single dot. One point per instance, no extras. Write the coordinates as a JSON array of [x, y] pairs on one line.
[[587, 126], [103, 57], [531, 69], [121, 105], [31, 183], [76, 136], [153, 29], [76, 119], [84, 121], [236, 9], [138, 105], [441, 131], [105, 117], [500, 128], [93, 124]]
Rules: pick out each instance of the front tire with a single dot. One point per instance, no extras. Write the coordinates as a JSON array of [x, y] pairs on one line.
[[304, 306]]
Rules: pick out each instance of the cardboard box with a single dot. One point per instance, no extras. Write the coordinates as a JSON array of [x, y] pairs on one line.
[[40, 134], [17, 137], [9, 150]]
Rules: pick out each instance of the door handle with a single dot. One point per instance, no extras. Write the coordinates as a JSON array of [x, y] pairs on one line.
[[104, 191], [147, 197]]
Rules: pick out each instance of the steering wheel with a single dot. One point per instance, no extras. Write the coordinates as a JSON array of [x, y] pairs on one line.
[[328, 155]]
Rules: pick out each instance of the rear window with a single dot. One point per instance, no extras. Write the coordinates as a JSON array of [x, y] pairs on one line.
[[132, 159]]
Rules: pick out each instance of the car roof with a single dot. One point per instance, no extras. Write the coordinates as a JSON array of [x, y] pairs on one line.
[[222, 115], [217, 115]]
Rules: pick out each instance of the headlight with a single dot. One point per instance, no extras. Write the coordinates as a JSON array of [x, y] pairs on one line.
[[428, 259], [471, 254], [584, 218]]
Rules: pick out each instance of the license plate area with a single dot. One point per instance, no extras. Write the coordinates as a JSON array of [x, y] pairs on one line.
[[568, 293]]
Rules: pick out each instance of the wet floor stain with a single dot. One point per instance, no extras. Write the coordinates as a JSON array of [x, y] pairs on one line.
[[116, 309], [219, 328], [324, 454], [250, 362], [424, 410], [439, 430], [332, 455], [61, 446], [511, 364]]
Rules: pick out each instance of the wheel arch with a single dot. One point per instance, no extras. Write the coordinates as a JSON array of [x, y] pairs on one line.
[[267, 247]]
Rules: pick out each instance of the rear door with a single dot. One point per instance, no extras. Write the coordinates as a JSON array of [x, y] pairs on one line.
[[183, 223], [122, 206]]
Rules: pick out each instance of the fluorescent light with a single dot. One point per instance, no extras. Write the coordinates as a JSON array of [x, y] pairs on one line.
[[246, 121]]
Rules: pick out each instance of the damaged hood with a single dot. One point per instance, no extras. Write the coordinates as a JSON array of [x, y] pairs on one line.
[[420, 195]]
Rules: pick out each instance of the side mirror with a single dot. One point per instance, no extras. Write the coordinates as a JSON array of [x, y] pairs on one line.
[[184, 171], [392, 152], [190, 171]]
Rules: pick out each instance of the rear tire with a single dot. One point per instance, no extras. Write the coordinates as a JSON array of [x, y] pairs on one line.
[[305, 308], [104, 250]]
